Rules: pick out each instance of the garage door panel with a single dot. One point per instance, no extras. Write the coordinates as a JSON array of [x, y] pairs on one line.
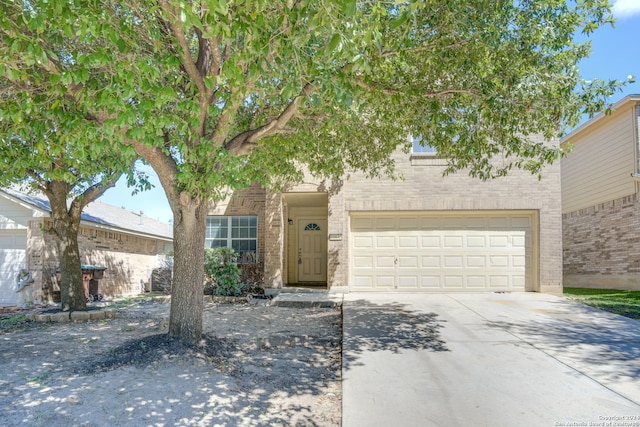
[[431, 223], [476, 261], [387, 282], [477, 282], [453, 261], [499, 281], [363, 261], [410, 242], [519, 241], [363, 282], [385, 261], [519, 261], [408, 282], [408, 261], [430, 262], [386, 223], [519, 282], [476, 241], [453, 241], [430, 241], [363, 242], [499, 241], [522, 222], [408, 223], [363, 223], [499, 261], [453, 282], [430, 282], [430, 251], [385, 242]]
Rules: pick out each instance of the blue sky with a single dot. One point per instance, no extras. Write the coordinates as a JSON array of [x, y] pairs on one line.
[[615, 55]]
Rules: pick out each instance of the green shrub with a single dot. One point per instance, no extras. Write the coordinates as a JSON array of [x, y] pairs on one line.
[[222, 272]]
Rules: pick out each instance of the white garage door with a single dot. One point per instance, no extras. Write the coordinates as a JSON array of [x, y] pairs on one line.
[[13, 244], [466, 252]]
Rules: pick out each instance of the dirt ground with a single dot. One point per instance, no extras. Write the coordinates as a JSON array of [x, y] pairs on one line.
[[257, 366]]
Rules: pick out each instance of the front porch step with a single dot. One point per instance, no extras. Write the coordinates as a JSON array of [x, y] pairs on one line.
[[303, 290], [306, 299]]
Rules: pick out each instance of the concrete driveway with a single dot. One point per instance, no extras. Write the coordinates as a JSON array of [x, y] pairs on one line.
[[493, 359]]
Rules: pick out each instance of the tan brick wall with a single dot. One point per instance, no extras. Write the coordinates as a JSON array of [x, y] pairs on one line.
[[250, 201], [128, 258], [601, 245], [422, 189]]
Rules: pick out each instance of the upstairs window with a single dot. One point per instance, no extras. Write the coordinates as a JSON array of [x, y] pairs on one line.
[[421, 147]]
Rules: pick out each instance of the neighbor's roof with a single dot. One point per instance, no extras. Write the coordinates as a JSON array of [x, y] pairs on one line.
[[101, 214], [592, 121]]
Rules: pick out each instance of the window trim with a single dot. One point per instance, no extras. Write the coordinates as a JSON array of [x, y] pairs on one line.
[[416, 140], [229, 239]]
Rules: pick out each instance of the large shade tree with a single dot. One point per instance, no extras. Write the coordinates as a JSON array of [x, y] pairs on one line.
[[217, 94]]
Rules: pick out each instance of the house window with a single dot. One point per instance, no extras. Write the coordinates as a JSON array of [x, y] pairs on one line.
[[237, 232], [420, 147], [312, 227]]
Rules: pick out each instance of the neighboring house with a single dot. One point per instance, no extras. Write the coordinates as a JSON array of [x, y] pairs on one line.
[[424, 233], [600, 206], [128, 244]]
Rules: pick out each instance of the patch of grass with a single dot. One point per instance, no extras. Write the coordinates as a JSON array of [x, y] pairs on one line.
[[625, 303], [38, 379], [131, 301], [15, 322]]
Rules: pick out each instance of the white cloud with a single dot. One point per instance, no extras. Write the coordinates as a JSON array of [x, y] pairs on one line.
[[626, 8]]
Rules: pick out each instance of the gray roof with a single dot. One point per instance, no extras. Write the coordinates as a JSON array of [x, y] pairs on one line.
[[103, 214]]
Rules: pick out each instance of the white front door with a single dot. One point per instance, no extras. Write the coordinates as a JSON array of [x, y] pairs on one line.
[[312, 250]]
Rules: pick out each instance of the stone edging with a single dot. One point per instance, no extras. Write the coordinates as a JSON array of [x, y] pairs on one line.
[[225, 300], [75, 316]]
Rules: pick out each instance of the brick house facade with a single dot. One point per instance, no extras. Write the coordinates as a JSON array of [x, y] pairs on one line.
[[600, 203], [601, 245], [424, 233], [128, 244]]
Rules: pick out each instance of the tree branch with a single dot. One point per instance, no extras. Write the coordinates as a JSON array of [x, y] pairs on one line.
[[187, 60], [243, 142], [386, 91], [92, 193], [164, 166], [37, 178]]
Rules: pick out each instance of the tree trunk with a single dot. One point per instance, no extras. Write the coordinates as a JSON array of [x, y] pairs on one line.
[[66, 224], [71, 285], [185, 318]]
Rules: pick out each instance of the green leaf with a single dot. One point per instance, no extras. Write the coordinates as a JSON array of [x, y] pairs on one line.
[[333, 43]]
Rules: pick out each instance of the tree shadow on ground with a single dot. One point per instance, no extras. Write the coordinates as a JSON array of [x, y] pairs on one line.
[[388, 327], [583, 337], [147, 378]]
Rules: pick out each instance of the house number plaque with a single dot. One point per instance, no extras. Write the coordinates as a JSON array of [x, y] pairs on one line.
[[334, 237]]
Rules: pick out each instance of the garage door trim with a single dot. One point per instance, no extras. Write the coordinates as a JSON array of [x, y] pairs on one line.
[[510, 262]]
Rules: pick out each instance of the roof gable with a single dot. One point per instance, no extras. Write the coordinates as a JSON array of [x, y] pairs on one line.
[[624, 103]]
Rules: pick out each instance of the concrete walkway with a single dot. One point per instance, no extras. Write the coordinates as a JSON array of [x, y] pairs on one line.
[[487, 360]]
